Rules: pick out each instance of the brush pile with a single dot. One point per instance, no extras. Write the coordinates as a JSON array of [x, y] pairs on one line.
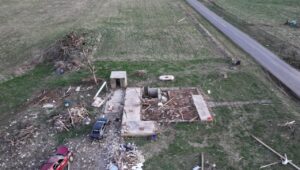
[[68, 54], [74, 116]]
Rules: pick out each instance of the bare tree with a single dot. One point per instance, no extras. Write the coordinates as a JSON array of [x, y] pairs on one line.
[[90, 65]]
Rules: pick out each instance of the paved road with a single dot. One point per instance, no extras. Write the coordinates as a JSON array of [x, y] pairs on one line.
[[288, 75]]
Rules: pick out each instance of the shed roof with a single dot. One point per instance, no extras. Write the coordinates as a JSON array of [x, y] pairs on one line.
[[118, 74]]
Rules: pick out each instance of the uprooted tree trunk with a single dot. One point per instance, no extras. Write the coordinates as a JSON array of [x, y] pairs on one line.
[[90, 65]]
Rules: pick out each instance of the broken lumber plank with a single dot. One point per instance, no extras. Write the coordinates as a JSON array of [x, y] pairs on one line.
[[202, 161], [147, 108], [64, 126], [98, 92], [166, 103], [265, 166], [72, 122]]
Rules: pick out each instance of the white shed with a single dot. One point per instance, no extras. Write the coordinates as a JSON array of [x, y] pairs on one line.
[[118, 79]]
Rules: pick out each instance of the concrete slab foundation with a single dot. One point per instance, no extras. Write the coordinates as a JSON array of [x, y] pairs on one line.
[[115, 103], [132, 125]]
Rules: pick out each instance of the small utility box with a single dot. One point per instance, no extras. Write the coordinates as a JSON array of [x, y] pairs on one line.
[[118, 79]]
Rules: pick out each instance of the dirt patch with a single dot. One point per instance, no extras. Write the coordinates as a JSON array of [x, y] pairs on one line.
[[35, 133], [32, 135], [96, 154], [24, 141]]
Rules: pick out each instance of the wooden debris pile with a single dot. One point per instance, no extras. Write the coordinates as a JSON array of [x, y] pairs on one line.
[[71, 55], [67, 54], [178, 107], [128, 157], [73, 117]]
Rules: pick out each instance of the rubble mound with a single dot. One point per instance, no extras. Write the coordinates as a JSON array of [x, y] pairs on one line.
[[68, 54], [74, 116]]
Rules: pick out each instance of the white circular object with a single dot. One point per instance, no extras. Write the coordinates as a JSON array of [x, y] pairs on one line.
[[166, 78]]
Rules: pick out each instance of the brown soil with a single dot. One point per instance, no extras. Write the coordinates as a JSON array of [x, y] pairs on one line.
[[30, 138]]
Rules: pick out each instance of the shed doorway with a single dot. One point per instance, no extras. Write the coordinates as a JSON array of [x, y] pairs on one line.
[[118, 83]]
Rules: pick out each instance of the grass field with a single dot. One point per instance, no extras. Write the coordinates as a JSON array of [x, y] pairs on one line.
[[264, 20], [263, 12], [130, 29], [270, 15], [148, 35]]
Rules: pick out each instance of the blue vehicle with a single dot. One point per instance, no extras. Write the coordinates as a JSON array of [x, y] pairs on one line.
[[98, 129]]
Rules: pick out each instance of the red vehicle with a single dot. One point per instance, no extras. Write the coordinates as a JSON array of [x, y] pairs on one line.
[[60, 160]]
